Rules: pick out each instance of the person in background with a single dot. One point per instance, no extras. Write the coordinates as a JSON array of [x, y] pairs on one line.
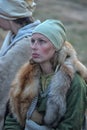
[[15, 17], [51, 81]]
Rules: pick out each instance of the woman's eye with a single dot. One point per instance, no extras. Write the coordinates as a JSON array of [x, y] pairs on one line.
[[38, 41], [32, 41], [41, 41]]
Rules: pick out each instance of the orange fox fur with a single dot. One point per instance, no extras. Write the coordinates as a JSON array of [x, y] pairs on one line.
[[68, 51], [23, 90]]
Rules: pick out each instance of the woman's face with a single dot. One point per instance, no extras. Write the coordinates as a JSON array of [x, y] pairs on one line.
[[42, 49]]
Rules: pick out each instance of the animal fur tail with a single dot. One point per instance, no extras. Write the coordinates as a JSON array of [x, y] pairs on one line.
[[23, 90], [56, 102]]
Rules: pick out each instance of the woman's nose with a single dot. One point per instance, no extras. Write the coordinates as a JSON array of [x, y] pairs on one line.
[[34, 45]]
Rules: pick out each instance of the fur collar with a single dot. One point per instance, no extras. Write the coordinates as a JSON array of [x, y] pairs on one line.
[[26, 86]]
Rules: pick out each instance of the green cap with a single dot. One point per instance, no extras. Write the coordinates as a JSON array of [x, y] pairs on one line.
[[54, 30]]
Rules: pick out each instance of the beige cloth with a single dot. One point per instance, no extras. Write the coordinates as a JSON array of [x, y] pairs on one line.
[[13, 9]]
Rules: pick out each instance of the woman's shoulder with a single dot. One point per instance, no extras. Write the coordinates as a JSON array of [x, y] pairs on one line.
[[24, 40], [78, 89], [78, 83], [22, 48]]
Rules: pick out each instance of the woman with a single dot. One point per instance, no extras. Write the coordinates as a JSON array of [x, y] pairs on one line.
[[50, 89], [15, 17]]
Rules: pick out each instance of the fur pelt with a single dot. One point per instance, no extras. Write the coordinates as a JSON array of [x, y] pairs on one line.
[[26, 86], [23, 89], [68, 55], [56, 103]]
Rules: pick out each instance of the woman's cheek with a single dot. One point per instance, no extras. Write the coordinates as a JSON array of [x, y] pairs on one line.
[[45, 50]]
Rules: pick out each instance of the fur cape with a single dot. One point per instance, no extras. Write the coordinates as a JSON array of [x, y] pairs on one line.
[[26, 87]]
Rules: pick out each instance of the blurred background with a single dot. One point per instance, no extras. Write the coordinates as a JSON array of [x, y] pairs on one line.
[[73, 13]]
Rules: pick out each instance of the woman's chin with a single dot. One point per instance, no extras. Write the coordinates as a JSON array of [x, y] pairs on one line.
[[37, 60]]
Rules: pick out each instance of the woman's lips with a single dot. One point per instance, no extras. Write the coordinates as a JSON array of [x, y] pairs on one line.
[[34, 55]]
